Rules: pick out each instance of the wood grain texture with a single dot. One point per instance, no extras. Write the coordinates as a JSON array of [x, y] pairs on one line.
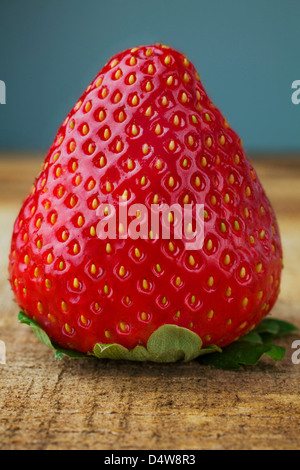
[[90, 404]]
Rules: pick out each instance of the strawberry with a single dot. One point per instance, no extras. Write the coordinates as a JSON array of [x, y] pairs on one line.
[[145, 130]]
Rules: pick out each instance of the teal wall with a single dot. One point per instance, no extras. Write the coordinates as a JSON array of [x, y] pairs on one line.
[[246, 52]]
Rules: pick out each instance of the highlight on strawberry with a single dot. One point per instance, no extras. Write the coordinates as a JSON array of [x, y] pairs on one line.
[[146, 133]]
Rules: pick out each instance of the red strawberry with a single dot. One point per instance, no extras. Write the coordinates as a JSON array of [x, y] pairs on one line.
[[146, 129]]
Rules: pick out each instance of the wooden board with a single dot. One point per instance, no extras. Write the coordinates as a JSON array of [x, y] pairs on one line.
[[90, 404]]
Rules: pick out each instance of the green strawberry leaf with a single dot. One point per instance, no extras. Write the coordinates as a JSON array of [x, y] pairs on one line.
[[44, 338], [243, 354], [248, 350], [275, 327], [252, 337], [269, 329], [171, 343], [277, 353]]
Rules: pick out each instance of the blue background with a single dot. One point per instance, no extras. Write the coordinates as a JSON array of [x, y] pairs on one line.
[[246, 52]]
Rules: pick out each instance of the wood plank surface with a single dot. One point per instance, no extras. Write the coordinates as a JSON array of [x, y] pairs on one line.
[[92, 404]]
